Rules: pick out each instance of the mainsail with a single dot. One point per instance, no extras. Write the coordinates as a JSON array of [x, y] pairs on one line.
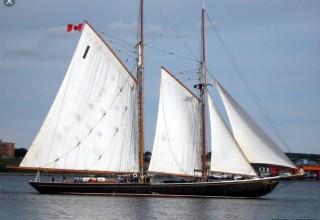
[[91, 125], [254, 142], [226, 155], [176, 144]]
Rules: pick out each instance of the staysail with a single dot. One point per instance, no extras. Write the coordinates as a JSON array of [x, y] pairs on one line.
[[176, 144], [226, 155], [254, 142], [91, 125]]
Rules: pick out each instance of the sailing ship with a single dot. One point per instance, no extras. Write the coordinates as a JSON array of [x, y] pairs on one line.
[[95, 126]]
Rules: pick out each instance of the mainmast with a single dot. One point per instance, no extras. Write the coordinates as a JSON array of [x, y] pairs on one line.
[[203, 82], [140, 90]]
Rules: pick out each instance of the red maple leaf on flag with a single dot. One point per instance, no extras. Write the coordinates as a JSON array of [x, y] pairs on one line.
[[72, 27]]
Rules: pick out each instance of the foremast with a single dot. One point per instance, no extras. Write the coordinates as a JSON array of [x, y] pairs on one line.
[[203, 82], [140, 68]]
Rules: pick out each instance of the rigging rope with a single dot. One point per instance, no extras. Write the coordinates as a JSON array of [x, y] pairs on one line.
[[121, 41], [171, 53], [248, 86], [284, 185], [173, 28], [131, 53], [129, 49]]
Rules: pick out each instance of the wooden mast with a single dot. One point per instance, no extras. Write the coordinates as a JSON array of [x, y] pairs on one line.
[[140, 92], [203, 98]]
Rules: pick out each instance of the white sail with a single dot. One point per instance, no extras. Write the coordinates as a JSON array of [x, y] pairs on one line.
[[255, 143], [176, 144], [226, 155], [91, 124]]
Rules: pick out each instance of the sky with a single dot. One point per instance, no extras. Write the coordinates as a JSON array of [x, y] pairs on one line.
[[276, 45]]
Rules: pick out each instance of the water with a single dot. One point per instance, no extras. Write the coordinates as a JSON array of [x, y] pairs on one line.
[[18, 200]]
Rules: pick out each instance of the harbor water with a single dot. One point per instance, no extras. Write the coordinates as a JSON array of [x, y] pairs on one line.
[[290, 200]]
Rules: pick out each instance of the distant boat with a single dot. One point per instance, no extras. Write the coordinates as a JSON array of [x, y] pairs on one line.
[[95, 126]]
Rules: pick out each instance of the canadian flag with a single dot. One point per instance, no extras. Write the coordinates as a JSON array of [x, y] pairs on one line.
[[72, 27]]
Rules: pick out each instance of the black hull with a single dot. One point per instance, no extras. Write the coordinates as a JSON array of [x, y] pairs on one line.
[[240, 188]]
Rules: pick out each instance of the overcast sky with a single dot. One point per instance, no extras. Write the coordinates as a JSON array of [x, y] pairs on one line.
[[275, 43]]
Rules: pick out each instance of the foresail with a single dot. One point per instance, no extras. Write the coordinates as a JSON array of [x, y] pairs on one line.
[[226, 155], [176, 142], [91, 124], [255, 143]]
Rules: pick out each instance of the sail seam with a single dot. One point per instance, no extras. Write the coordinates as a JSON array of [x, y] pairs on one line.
[[104, 150], [180, 165], [165, 122], [78, 145], [60, 111]]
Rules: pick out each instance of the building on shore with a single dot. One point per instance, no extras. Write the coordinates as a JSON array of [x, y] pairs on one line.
[[6, 149]]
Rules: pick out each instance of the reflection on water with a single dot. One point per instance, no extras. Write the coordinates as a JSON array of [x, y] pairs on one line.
[[299, 200]]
